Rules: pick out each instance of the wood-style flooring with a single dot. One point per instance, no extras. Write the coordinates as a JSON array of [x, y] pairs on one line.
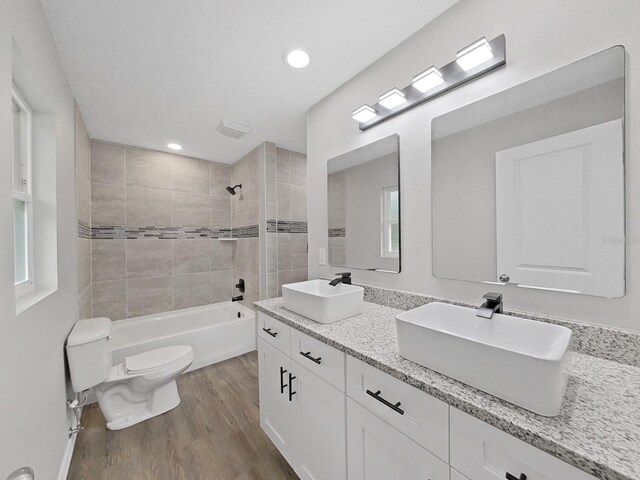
[[214, 434]]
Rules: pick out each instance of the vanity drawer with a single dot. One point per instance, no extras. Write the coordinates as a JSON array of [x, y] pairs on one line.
[[319, 358], [274, 332], [421, 417], [482, 452]]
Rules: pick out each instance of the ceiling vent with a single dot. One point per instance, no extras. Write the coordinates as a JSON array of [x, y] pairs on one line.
[[233, 130]]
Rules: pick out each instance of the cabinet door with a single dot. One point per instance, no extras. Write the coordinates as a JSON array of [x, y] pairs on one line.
[[320, 426], [377, 451], [276, 411]]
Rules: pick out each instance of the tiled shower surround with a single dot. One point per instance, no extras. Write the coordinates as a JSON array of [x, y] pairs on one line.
[[162, 233], [286, 218], [156, 220]]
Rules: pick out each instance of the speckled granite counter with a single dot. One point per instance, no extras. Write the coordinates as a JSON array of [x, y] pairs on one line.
[[598, 430]]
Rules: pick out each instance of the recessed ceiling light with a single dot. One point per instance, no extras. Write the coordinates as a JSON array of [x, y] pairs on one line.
[[174, 146], [392, 98], [428, 79], [363, 114], [297, 58], [475, 54]]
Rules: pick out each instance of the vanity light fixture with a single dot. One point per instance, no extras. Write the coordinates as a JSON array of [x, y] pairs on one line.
[[428, 80], [473, 61], [364, 113], [174, 146], [392, 99], [475, 54]]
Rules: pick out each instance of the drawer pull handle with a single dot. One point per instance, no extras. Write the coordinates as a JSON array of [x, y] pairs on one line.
[[315, 360], [291, 392], [395, 408], [508, 476], [268, 330], [282, 384]]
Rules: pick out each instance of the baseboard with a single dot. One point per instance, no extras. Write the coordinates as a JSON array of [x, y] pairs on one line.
[[68, 454]]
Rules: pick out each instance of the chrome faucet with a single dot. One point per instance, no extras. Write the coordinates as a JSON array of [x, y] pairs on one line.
[[344, 277], [491, 306]]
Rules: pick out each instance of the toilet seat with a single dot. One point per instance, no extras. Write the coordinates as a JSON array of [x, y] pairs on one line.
[[157, 359]]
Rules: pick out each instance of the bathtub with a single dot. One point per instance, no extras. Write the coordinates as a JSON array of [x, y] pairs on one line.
[[215, 332]]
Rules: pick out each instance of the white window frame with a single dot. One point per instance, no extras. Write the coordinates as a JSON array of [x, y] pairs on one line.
[[22, 176], [386, 222]]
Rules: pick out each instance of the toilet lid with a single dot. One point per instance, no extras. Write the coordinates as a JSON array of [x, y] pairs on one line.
[[155, 359]]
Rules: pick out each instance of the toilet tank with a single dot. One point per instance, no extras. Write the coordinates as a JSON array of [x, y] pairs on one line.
[[88, 353]]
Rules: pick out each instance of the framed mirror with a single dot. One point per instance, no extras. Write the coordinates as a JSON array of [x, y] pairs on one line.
[[363, 188], [528, 184]]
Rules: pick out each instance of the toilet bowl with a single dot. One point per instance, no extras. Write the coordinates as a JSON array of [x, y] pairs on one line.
[[141, 387]]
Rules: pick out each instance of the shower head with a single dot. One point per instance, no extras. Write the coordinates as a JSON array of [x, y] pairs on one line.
[[232, 190]]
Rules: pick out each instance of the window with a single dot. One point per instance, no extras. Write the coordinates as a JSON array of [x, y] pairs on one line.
[[390, 222], [22, 199]]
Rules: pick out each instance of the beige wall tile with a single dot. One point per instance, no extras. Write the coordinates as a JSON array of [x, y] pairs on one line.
[[191, 290], [221, 254], [107, 163], [284, 251], [221, 211], [270, 210], [107, 204], [298, 203], [284, 277], [149, 295], [109, 299], [191, 255], [270, 161], [148, 168], [272, 252], [221, 285], [283, 199], [190, 210], [147, 206], [272, 285], [297, 169], [246, 255], [84, 263], [149, 258], [299, 255], [337, 251], [299, 275], [282, 165], [84, 198], [84, 304], [107, 260], [189, 175], [220, 178]]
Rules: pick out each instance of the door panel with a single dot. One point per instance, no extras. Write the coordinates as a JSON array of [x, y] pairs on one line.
[[560, 212]]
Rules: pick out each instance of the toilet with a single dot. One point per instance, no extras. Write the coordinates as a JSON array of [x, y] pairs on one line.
[[141, 387]]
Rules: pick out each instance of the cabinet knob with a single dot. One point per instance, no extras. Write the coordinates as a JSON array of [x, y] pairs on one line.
[[504, 278]]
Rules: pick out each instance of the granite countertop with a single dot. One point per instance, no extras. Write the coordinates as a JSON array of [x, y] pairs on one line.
[[597, 431]]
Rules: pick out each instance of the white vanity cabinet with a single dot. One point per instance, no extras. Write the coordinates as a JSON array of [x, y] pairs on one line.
[[335, 417], [303, 414]]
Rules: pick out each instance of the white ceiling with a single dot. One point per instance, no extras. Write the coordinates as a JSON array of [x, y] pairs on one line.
[[149, 72]]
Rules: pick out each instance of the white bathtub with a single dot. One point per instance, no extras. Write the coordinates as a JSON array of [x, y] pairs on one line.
[[215, 332]]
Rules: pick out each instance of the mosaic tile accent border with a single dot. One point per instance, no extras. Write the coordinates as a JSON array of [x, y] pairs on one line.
[[337, 232], [610, 343], [285, 226], [114, 232], [84, 229]]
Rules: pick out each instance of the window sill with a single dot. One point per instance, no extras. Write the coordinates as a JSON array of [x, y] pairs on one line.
[[29, 299]]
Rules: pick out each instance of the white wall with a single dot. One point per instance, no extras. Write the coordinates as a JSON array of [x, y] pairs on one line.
[[33, 417], [541, 36]]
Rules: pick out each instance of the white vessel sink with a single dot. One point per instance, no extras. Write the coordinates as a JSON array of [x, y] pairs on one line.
[[324, 303], [518, 360]]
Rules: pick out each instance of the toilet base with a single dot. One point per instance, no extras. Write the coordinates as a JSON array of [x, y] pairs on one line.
[[158, 401]]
